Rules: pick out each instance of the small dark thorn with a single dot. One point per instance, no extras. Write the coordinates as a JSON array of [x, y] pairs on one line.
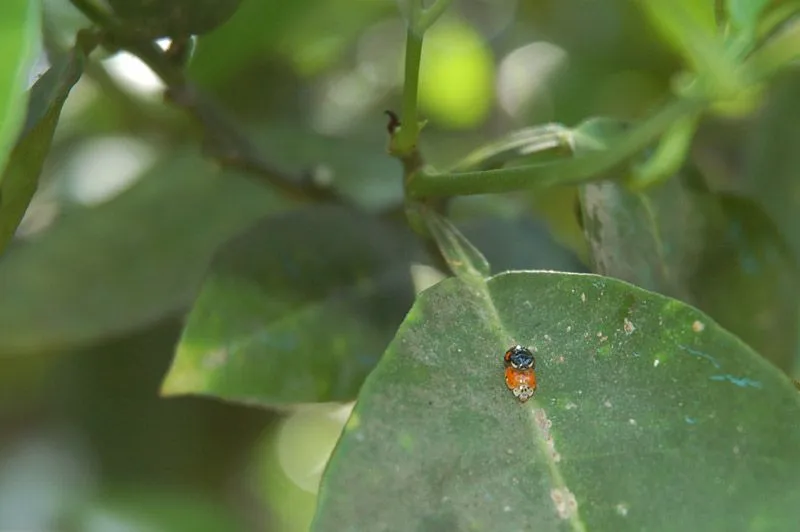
[[394, 122]]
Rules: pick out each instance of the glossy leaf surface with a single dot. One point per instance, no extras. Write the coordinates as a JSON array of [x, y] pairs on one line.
[[297, 309], [635, 390], [21, 175]]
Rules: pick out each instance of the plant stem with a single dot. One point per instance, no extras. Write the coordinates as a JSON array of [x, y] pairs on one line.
[[781, 49], [226, 142], [404, 142], [428, 184], [431, 15]]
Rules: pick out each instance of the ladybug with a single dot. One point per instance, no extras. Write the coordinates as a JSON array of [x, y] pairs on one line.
[[520, 372]]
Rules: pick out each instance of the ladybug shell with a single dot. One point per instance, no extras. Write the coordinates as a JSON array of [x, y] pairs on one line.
[[522, 382], [517, 377]]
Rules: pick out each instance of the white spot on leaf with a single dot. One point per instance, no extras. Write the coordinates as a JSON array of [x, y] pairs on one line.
[[565, 502], [628, 326]]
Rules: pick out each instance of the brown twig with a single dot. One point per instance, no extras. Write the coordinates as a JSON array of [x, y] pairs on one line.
[[225, 141]]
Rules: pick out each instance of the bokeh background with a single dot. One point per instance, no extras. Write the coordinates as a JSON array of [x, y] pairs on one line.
[[108, 258]]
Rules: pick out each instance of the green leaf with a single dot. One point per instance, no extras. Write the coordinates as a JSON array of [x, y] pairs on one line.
[[143, 508], [744, 14], [719, 253], [19, 33], [650, 238], [519, 244], [173, 18], [464, 259], [669, 156], [358, 168], [253, 29], [690, 27], [749, 282], [297, 309], [634, 389], [128, 262], [514, 146], [773, 159], [21, 175]]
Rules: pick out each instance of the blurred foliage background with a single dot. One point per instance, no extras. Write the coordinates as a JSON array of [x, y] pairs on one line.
[[111, 252]]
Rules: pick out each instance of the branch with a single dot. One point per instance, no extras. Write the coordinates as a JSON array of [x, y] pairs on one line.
[[225, 142], [429, 184]]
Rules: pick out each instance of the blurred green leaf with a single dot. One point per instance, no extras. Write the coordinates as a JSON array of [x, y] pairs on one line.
[[773, 159], [20, 22], [519, 244], [690, 27], [651, 238], [669, 155], [124, 264], [297, 309], [148, 508], [744, 14], [20, 178], [596, 133], [252, 30], [516, 145], [635, 390], [464, 259], [749, 282], [716, 252], [173, 18], [360, 169]]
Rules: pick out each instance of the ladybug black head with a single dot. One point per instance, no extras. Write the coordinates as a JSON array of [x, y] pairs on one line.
[[519, 357]]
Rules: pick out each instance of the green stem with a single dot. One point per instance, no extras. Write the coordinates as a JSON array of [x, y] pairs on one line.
[[427, 184], [405, 141], [431, 15], [776, 53]]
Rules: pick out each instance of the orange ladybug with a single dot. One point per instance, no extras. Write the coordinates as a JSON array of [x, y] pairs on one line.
[[520, 372]]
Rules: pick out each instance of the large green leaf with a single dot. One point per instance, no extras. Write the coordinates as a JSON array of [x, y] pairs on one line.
[[719, 253], [126, 263], [20, 178], [301, 306], [298, 309], [19, 31], [648, 416]]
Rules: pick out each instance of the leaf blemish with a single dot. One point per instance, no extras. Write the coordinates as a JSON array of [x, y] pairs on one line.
[[545, 424], [622, 509], [742, 382], [628, 326], [215, 358], [583, 297], [698, 326], [565, 502], [690, 420], [700, 354]]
